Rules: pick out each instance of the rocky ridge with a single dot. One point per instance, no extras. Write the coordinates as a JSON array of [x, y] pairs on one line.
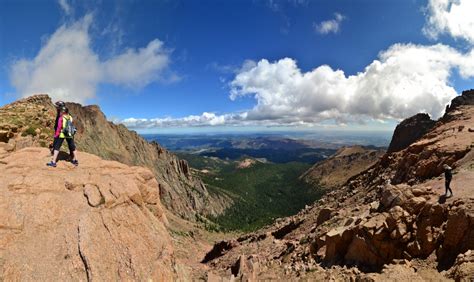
[[29, 122], [100, 221], [344, 164], [388, 222], [410, 130]]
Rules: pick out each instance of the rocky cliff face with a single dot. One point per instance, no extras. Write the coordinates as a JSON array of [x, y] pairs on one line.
[[29, 122], [100, 221], [410, 130], [389, 222], [344, 164], [465, 99]]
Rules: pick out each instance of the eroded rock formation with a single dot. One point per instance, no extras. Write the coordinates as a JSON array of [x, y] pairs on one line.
[[410, 130]]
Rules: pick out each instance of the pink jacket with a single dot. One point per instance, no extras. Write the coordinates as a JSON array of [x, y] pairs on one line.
[[59, 128]]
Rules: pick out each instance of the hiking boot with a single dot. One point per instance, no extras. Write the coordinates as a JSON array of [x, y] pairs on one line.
[[75, 162], [51, 164]]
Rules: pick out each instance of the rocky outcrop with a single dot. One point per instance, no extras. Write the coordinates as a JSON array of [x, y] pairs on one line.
[[409, 131], [184, 194], [28, 122], [100, 221], [340, 167], [446, 143], [408, 223], [465, 99]]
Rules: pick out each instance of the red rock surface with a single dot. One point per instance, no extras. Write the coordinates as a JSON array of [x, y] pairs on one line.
[[101, 221]]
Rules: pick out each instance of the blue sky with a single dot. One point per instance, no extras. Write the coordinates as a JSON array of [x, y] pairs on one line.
[[165, 65]]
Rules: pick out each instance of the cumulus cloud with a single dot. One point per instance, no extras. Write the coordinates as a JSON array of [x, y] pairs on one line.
[[67, 68], [453, 17], [406, 79], [330, 26]]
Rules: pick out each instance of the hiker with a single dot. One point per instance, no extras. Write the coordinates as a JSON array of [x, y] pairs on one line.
[[63, 130], [448, 176], [58, 105]]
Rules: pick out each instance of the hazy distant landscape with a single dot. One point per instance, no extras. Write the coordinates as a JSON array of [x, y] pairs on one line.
[[261, 172], [279, 147]]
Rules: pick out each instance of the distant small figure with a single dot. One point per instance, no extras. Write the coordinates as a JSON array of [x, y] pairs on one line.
[[448, 176], [63, 129]]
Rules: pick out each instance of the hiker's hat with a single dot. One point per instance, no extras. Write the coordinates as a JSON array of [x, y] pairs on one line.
[[445, 166], [60, 104]]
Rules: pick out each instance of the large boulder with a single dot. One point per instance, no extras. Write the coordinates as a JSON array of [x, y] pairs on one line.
[[337, 242], [410, 130], [100, 221], [360, 252], [459, 234]]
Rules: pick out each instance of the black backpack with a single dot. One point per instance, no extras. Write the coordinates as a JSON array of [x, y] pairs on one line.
[[69, 130]]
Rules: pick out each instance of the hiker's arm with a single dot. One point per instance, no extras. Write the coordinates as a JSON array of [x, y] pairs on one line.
[[59, 128]]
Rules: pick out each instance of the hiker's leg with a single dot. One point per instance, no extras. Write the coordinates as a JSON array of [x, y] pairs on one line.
[[446, 187], [55, 156], [56, 147], [51, 146], [72, 148], [449, 187]]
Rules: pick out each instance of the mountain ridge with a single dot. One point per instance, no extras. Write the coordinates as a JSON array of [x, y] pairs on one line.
[[344, 164], [29, 121]]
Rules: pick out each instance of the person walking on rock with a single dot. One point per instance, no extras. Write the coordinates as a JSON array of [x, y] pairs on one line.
[[63, 130], [448, 176], [58, 105]]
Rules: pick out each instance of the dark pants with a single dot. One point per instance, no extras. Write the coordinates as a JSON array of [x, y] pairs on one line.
[[446, 185], [58, 142]]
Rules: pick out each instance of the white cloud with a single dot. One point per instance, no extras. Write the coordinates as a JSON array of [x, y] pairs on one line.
[[67, 68], [329, 26], [137, 68], [453, 17], [65, 6], [406, 79], [205, 119]]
